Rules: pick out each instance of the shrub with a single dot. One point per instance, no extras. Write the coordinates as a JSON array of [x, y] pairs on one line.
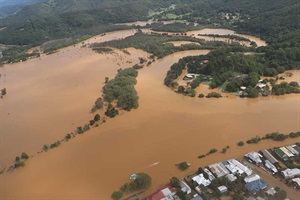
[[68, 136], [240, 143], [201, 95], [125, 188], [111, 112], [45, 147], [224, 150], [212, 151], [175, 182], [19, 164], [202, 156], [294, 134], [24, 156], [55, 144], [183, 166], [213, 95], [97, 117], [79, 130], [3, 91], [254, 140], [92, 122], [137, 66], [98, 104], [117, 195]]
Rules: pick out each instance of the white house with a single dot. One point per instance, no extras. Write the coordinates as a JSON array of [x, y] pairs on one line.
[[251, 178], [201, 180], [290, 173], [185, 188]]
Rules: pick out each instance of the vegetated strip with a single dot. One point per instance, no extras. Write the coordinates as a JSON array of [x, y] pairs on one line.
[[158, 44]]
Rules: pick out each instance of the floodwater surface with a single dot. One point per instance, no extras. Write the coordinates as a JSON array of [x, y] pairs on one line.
[[51, 96]]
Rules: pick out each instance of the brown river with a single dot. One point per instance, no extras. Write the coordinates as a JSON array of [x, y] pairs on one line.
[[50, 96]]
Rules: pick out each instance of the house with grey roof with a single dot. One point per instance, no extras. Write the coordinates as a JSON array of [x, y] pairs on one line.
[[269, 156]]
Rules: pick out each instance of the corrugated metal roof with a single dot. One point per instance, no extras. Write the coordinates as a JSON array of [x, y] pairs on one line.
[[269, 156]]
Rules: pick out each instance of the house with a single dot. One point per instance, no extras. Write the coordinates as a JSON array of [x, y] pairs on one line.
[[290, 173], [243, 88], [185, 188], [287, 152], [254, 156], [270, 166], [218, 169], [292, 150], [231, 177], [261, 86], [256, 186], [297, 148], [251, 178], [210, 175], [188, 76], [196, 197], [271, 192], [241, 166], [222, 189], [281, 154], [233, 168], [164, 193], [269, 156], [296, 182], [201, 180]]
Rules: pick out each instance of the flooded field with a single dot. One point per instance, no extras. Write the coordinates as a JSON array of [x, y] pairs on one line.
[[50, 96], [219, 31]]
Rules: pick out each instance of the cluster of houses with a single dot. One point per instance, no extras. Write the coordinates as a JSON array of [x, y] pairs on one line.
[[233, 168], [230, 169], [286, 153], [269, 161]]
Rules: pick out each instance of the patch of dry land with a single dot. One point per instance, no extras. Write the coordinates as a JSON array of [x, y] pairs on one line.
[[50, 96]]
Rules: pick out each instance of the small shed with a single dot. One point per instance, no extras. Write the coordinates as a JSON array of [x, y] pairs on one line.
[[271, 192], [222, 189]]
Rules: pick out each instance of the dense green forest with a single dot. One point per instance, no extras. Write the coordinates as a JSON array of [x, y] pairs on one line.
[[57, 19], [275, 21]]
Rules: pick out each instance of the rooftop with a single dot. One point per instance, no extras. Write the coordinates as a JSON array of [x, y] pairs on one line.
[[256, 186], [218, 169], [254, 156], [201, 180], [269, 156], [251, 178]]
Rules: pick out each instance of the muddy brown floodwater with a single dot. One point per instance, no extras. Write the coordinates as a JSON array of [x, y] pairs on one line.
[[49, 97]]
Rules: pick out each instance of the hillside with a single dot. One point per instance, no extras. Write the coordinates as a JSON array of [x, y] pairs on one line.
[[10, 7], [56, 19], [275, 21]]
